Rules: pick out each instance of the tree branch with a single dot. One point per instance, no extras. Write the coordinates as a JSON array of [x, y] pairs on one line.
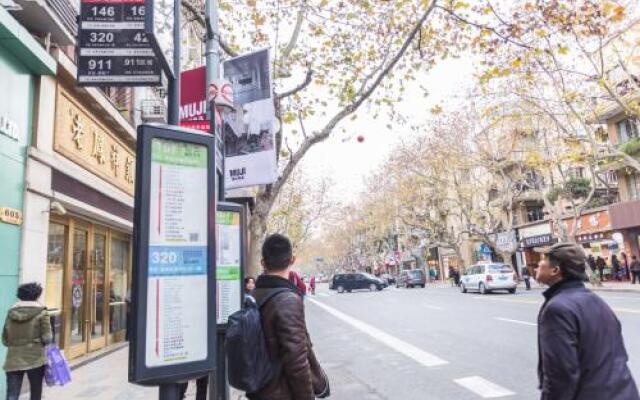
[[199, 18], [307, 81]]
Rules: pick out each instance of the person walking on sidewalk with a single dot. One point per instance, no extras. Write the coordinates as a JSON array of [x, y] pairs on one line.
[[26, 332], [312, 284], [581, 352], [526, 277], [285, 330], [601, 265], [635, 270]]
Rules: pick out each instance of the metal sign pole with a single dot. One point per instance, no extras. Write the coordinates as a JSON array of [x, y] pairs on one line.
[[173, 109], [172, 391]]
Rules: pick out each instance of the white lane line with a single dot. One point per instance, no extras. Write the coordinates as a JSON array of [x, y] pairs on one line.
[[323, 294], [483, 388], [516, 321], [433, 307], [625, 310], [409, 350]]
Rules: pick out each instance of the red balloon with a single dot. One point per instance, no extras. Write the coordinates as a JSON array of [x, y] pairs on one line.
[[360, 139]]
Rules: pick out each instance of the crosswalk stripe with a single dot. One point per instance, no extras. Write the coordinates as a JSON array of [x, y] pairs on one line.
[[483, 387], [409, 350]]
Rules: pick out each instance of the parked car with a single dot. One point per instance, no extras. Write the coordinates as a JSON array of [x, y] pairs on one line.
[[346, 282], [486, 278], [412, 278], [390, 279]]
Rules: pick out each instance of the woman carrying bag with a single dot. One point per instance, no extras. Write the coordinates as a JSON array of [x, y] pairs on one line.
[[26, 333]]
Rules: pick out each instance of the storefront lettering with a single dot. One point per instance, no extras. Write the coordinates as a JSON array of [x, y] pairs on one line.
[[84, 139], [9, 128], [128, 170], [539, 240], [78, 131], [98, 147], [115, 160]]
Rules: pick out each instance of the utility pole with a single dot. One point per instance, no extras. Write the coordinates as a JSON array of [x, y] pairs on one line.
[[219, 387]]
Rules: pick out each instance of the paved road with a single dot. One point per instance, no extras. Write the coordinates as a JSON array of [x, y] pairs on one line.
[[437, 343], [402, 344]]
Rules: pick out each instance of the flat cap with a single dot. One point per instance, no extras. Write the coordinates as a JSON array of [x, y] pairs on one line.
[[570, 256]]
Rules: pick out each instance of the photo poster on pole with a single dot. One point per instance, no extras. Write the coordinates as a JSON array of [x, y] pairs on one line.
[[230, 231], [174, 284], [249, 129]]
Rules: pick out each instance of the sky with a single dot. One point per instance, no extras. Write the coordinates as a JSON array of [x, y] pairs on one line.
[[350, 162]]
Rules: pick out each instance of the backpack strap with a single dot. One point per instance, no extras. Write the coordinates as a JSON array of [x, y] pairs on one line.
[[271, 295]]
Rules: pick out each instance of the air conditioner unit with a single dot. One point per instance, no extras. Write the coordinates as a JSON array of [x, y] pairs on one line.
[[153, 110]]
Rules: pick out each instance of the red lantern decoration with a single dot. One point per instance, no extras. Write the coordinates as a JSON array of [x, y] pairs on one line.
[[360, 139]]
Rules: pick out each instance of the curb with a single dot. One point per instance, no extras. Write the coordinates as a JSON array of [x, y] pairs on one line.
[[594, 289]]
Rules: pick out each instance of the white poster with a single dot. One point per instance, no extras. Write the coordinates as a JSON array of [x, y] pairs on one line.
[[228, 264], [249, 129], [178, 261]]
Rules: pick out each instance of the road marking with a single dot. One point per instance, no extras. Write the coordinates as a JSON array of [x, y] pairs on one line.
[[625, 310], [615, 309], [483, 388], [409, 350], [323, 294], [508, 300], [433, 307], [515, 321]]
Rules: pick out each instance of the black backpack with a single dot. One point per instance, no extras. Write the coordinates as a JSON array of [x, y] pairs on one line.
[[248, 363]]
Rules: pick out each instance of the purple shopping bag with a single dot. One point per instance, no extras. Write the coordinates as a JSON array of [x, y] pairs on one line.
[[56, 372]]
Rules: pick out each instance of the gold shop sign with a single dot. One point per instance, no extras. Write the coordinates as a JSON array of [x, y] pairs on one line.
[[10, 215], [85, 141]]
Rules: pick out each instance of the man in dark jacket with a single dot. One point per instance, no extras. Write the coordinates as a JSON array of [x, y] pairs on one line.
[[580, 346], [285, 330]]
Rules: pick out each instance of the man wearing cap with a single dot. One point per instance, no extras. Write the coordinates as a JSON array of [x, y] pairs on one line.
[[581, 354]]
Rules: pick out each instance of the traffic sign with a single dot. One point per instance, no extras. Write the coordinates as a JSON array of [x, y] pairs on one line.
[[113, 46]]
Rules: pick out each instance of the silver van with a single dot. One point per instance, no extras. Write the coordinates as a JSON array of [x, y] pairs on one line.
[[486, 278]]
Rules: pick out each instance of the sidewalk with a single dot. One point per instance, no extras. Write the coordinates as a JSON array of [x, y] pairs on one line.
[[607, 286], [106, 379]]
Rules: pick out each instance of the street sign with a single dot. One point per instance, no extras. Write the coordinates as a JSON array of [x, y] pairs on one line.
[[174, 284], [158, 25], [230, 224], [113, 47]]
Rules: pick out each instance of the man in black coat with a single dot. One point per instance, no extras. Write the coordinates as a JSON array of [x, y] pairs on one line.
[[580, 347]]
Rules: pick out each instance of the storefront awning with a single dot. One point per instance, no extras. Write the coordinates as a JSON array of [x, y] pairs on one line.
[[19, 42]]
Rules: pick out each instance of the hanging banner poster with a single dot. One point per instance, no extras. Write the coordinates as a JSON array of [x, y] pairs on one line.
[[249, 129], [229, 263], [173, 289]]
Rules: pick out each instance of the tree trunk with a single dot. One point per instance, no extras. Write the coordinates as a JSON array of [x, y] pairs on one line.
[[257, 233]]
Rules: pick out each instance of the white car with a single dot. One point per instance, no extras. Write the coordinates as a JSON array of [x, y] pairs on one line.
[[486, 278]]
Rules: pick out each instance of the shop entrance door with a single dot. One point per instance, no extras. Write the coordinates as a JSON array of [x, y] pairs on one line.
[[88, 312], [97, 291], [78, 310]]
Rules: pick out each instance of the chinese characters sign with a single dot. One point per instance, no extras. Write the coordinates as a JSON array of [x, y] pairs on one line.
[[228, 264], [114, 48], [178, 254], [82, 139]]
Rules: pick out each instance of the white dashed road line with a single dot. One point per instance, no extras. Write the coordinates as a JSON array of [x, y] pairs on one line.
[[429, 306], [483, 388], [409, 350], [516, 321]]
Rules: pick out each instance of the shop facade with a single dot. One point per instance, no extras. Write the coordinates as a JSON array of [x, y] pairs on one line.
[[22, 62], [625, 219], [594, 232], [532, 236], [79, 211]]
